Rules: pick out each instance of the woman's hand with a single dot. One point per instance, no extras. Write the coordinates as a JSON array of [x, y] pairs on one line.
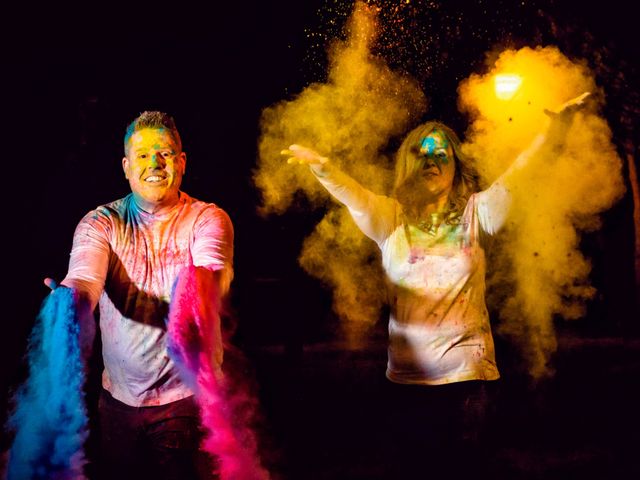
[[567, 109], [304, 156], [561, 119]]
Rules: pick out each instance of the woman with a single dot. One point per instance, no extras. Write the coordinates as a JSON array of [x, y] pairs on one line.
[[431, 233], [429, 236]]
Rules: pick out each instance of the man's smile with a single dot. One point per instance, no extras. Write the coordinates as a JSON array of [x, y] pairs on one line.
[[154, 179]]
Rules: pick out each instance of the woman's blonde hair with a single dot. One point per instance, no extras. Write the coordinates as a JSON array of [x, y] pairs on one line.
[[408, 165]]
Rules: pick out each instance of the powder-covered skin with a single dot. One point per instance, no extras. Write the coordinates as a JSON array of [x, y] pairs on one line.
[[129, 260]]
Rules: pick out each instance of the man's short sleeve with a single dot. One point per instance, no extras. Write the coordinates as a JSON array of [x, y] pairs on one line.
[[89, 259], [213, 240]]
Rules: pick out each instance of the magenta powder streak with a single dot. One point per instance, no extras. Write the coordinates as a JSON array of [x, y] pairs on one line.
[[194, 338]]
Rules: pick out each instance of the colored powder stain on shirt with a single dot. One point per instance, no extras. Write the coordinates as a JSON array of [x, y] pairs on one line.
[[119, 255]]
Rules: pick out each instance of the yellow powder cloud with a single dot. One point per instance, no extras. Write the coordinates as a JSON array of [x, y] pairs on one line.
[[350, 119], [558, 195]]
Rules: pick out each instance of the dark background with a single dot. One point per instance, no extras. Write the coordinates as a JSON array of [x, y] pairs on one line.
[[74, 77]]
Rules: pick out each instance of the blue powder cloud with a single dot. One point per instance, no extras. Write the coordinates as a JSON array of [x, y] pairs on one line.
[[50, 417]]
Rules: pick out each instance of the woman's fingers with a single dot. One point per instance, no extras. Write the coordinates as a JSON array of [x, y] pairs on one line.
[[298, 160], [579, 100], [574, 103], [302, 155], [294, 158]]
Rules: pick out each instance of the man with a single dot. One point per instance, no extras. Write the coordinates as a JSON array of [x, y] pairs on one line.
[[126, 257]]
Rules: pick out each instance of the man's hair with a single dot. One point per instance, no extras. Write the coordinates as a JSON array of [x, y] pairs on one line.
[[465, 180], [152, 119]]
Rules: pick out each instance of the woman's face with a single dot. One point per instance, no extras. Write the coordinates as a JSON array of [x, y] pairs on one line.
[[438, 164]]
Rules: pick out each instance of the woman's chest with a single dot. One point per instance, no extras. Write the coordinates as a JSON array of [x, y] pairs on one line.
[[422, 260]]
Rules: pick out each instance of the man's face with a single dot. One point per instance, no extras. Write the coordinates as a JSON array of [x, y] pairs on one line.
[[154, 166], [439, 163]]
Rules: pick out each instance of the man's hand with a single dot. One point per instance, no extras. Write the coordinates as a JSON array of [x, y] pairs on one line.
[[303, 156], [85, 317]]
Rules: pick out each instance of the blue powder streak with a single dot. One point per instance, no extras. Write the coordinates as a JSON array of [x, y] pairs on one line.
[[50, 417]]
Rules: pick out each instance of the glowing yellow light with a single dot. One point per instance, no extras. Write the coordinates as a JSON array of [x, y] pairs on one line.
[[506, 85]]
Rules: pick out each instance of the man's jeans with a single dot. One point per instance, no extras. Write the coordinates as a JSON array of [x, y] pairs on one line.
[[160, 442]]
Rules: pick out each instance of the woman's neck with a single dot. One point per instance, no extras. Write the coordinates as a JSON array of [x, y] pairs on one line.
[[433, 207]]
